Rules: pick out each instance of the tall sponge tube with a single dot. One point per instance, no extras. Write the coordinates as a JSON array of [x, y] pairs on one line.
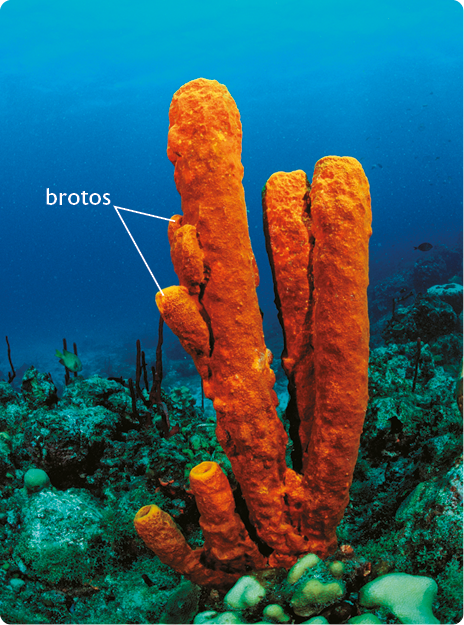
[[341, 226]]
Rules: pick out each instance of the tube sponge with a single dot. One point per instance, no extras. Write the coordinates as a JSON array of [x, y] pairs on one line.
[[161, 535], [227, 544]]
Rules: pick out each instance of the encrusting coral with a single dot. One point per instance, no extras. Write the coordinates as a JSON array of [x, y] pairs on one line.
[[317, 239]]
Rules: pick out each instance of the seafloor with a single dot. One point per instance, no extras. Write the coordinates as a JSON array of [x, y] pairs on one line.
[[68, 549]]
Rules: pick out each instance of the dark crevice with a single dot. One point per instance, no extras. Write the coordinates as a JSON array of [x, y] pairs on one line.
[[242, 510], [203, 311], [291, 412]]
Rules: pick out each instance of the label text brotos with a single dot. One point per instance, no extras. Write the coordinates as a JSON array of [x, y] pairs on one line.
[[75, 198]]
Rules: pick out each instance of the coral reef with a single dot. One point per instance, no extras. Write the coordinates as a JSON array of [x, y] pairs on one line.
[[429, 316], [450, 293], [405, 513], [68, 551]]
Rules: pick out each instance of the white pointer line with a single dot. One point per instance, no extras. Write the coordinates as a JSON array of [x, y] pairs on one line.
[[139, 213], [133, 240]]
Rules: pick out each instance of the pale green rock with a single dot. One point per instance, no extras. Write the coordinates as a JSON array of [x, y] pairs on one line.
[[214, 617], [226, 618], [409, 597], [35, 480], [17, 584], [246, 593], [337, 569], [315, 593], [365, 619], [275, 612], [308, 561]]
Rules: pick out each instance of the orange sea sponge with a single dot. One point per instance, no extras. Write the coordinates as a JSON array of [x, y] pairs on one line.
[[317, 238], [227, 544], [161, 535]]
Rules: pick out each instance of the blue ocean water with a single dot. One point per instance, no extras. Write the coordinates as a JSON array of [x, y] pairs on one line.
[[85, 89]]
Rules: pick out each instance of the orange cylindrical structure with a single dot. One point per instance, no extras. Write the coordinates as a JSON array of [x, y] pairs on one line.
[[211, 252], [317, 238], [341, 226], [290, 245], [159, 532], [227, 544]]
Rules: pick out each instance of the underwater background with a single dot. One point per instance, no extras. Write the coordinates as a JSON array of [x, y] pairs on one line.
[[85, 94], [85, 89]]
